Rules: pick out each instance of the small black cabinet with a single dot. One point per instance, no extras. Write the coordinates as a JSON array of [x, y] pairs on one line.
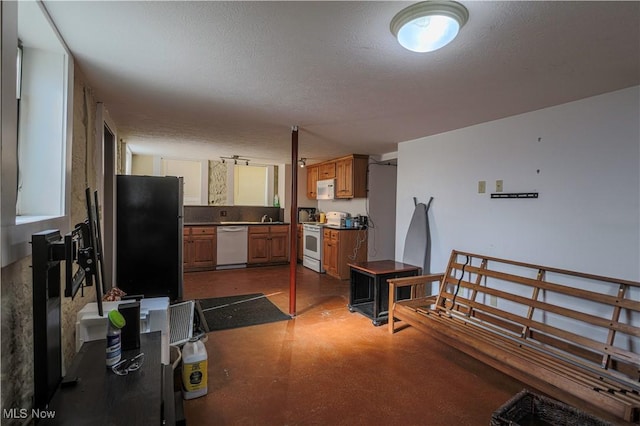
[[369, 290]]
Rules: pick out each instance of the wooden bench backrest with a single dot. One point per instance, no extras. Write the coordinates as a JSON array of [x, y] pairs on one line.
[[586, 319]]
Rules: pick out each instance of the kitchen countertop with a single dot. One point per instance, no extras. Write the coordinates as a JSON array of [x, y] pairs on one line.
[[341, 228], [239, 223], [344, 228]]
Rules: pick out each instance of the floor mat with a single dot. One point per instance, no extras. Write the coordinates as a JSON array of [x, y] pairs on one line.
[[222, 313]]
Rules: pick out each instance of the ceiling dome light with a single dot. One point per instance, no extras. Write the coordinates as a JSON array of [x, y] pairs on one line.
[[429, 25]]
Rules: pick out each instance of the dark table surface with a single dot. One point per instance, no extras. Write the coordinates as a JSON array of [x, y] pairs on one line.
[[101, 397], [381, 267]]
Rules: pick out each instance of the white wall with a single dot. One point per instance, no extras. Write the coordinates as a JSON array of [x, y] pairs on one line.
[[355, 206], [588, 215], [382, 211]]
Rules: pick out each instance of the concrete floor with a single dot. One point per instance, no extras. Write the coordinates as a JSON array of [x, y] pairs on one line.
[[328, 366]]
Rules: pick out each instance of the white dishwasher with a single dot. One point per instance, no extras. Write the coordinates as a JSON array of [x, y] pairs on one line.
[[232, 247]]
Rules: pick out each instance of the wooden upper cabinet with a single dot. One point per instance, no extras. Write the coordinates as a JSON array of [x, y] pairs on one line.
[[350, 173], [351, 176], [312, 182], [327, 170]]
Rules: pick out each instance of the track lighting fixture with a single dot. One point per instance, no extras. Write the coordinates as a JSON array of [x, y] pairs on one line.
[[302, 162], [235, 159]]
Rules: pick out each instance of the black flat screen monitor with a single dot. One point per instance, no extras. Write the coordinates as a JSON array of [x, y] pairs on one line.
[[83, 245]]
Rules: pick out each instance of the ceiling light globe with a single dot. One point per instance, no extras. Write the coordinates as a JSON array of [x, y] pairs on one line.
[[429, 25]]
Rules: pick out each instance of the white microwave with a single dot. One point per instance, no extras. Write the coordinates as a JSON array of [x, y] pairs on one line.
[[325, 189]]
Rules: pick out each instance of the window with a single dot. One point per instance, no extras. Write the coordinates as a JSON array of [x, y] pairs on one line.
[[194, 174], [250, 185], [36, 128], [41, 118]]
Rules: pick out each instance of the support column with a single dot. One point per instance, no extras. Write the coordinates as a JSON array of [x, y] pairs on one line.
[[293, 250]]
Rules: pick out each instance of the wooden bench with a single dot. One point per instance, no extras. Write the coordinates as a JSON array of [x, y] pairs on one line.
[[571, 335]]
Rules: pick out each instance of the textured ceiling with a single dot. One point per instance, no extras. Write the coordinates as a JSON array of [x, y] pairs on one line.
[[204, 79]]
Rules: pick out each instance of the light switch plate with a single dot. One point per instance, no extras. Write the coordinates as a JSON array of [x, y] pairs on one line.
[[482, 186], [499, 185]]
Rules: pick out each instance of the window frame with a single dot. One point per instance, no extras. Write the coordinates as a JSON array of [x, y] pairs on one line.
[[15, 235]]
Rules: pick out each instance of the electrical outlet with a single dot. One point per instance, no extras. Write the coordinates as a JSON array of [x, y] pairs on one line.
[[223, 213], [499, 185], [482, 186], [493, 300]]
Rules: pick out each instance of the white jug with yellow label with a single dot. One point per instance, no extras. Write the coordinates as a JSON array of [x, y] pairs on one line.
[[194, 369]]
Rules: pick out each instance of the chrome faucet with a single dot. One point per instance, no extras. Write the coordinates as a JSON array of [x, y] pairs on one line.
[[264, 218]]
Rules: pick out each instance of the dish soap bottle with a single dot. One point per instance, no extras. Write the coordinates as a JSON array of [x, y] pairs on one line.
[[276, 201]]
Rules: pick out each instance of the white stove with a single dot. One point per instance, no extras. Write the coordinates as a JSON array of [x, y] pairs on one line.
[[312, 246]]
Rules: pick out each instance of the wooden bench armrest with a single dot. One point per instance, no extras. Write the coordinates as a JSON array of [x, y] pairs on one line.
[[411, 281], [414, 283]]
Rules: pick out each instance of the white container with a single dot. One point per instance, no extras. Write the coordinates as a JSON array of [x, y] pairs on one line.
[[194, 369], [154, 316]]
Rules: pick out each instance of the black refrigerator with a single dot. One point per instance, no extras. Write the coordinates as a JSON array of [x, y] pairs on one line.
[[149, 212]]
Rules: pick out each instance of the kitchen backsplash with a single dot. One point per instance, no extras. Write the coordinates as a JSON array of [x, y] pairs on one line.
[[214, 214], [355, 206]]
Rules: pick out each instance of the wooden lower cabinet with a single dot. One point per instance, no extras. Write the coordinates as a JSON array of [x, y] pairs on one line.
[[300, 243], [199, 248], [341, 247], [268, 244]]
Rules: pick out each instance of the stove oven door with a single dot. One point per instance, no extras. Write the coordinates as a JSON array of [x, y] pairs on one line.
[[312, 241], [312, 247]]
